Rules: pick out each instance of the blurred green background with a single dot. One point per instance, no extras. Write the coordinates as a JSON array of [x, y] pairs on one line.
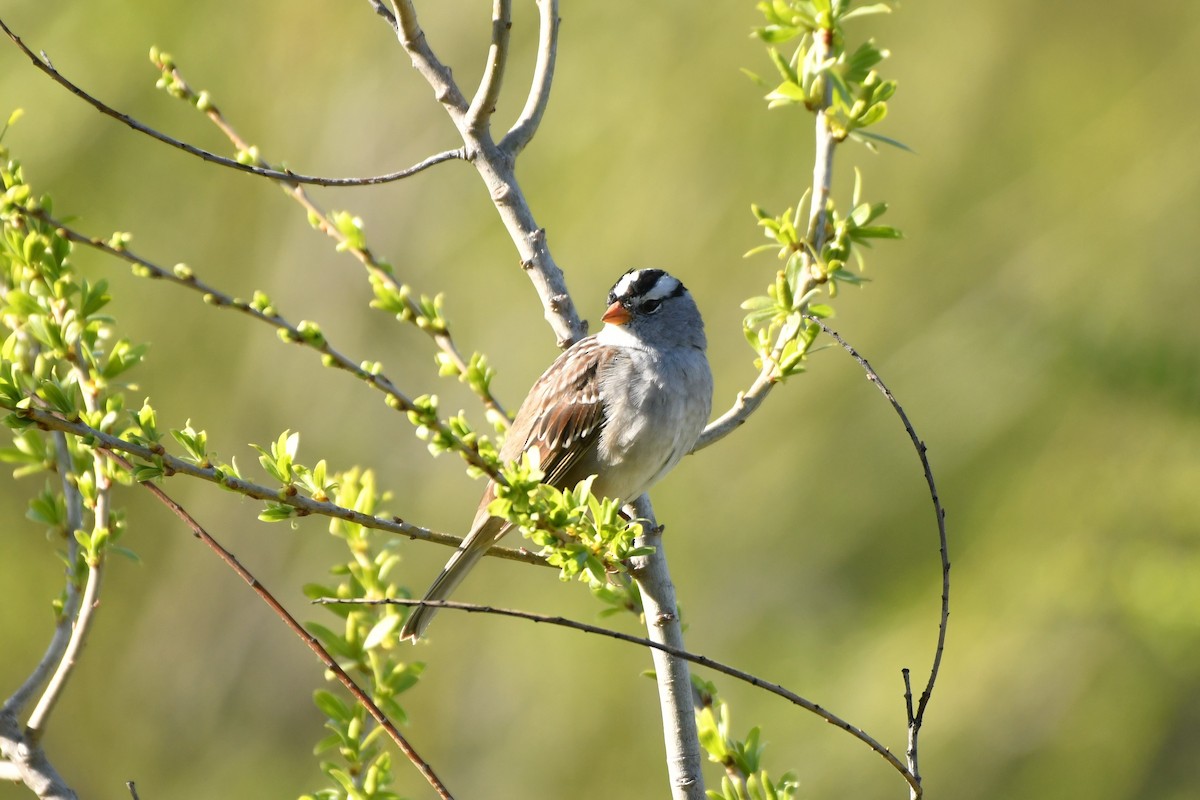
[[1038, 323]]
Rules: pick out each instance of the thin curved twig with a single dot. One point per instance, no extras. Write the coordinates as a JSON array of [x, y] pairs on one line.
[[543, 76], [695, 658], [305, 506], [35, 726], [43, 64], [483, 105], [330, 663], [915, 720], [21, 756], [65, 624]]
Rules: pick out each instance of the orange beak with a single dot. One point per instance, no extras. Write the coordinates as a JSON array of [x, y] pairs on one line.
[[616, 314]]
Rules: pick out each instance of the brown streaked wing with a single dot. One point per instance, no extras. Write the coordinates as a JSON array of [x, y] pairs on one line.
[[570, 425]]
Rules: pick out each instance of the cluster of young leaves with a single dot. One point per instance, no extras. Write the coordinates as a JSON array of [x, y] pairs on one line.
[[859, 95], [458, 433], [585, 536], [59, 345], [775, 320], [428, 314], [825, 77], [279, 461], [745, 778], [356, 763]]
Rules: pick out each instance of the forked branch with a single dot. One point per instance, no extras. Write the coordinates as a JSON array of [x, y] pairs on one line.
[[495, 162]]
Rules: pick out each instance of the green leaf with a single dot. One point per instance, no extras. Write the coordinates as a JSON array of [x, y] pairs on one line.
[[868, 137], [860, 63], [874, 114], [864, 11], [381, 631], [762, 248], [777, 34], [786, 70], [48, 508], [865, 213], [145, 473], [332, 706], [21, 303], [276, 512], [123, 357], [62, 399], [758, 303], [876, 232], [754, 77], [346, 782], [787, 92], [125, 552], [195, 442], [328, 743]]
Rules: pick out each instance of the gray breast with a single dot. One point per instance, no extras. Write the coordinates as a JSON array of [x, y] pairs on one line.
[[656, 410]]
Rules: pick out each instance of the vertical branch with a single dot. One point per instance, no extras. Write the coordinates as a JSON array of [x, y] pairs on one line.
[[23, 758], [36, 725], [543, 75], [910, 751], [66, 621], [488, 93], [670, 672], [823, 157], [822, 182], [95, 563]]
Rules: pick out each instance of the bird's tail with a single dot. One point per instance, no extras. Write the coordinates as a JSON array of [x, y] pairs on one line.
[[467, 556]]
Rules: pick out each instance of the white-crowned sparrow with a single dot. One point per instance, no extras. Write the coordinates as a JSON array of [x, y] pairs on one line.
[[625, 405]]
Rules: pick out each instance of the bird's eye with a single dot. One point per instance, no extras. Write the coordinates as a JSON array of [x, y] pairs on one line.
[[650, 306]]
